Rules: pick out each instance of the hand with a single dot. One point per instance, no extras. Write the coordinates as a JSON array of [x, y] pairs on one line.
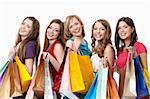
[[96, 69], [12, 53], [131, 51], [45, 55]]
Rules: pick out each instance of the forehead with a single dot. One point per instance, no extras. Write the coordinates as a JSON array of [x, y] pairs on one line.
[[98, 24], [73, 20], [55, 25], [123, 23], [28, 21]]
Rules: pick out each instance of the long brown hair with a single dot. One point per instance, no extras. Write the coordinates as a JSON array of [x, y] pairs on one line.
[[67, 34], [60, 37], [32, 36], [133, 39], [107, 38]]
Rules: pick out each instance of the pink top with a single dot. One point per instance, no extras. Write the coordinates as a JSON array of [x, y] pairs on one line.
[[122, 56]]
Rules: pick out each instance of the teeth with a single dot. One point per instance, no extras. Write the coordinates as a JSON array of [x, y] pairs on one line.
[[123, 34]]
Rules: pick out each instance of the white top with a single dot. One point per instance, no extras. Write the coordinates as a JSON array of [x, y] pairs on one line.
[[96, 62]]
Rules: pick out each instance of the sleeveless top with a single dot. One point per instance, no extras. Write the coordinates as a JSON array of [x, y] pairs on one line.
[[96, 61], [51, 51], [122, 55]]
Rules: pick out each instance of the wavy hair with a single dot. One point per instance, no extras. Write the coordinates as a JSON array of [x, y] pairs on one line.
[[102, 43], [32, 36], [133, 38], [60, 37]]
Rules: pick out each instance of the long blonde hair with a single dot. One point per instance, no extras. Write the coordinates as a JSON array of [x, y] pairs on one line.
[[107, 38], [32, 36]]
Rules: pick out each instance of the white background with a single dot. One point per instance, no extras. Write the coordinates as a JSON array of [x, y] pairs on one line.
[[13, 12]]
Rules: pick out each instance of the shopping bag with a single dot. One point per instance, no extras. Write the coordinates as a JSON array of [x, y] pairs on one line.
[[102, 83], [91, 94], [112, 88], [25, 77], [141, 88], [39, 81], [2, 76], [5, 88], [48, 93], [65, 86], [15, 83], [129, 89], [30, 92], [146, 77], [81, 72], [3, 68]]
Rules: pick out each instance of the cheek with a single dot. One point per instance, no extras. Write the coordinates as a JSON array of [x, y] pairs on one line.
[[94, 34]]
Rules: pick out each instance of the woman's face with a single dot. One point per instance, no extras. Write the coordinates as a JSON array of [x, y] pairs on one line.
[[75, 27], [53, 31], [99, 31], [25, 27], [124, 30]]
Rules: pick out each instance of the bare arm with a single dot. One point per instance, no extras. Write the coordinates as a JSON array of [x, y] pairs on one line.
[[29, 65], [109, 54], [143, 57], [59, 53]]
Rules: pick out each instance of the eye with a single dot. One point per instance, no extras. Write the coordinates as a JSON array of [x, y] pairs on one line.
[[70, 26], [56, 30], [76, 23], [22, 23], [28, 26], [102, 29], [125, 26], [95, 28], [119, 28]]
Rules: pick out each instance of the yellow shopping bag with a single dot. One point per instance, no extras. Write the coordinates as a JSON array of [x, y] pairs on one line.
[[146, 75], [24, 75], [81, 72]]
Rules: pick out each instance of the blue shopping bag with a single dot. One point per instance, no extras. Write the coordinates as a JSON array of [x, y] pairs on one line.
[[141, 88], [91, 94]]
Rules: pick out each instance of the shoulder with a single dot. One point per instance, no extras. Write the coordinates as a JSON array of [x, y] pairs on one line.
[[30, 49], [69, 43], [109, 48], [139, 44], [58, 46], [31, 43], [140, 47]]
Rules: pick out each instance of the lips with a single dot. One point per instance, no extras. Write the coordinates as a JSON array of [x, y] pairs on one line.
[[123, 34]]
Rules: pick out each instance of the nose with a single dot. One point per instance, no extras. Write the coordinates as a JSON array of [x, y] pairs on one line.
[[98, 30], [121, 30], [74, 27]]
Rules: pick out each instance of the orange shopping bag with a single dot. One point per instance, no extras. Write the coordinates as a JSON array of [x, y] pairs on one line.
[[39, 81], [15, 84]]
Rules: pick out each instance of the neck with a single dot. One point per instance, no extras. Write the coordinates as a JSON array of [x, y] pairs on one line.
[[78, 38], [23, 38], [51, 41], [127, 42]]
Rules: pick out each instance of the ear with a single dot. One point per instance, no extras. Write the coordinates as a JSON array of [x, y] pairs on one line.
[[132, 29]]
